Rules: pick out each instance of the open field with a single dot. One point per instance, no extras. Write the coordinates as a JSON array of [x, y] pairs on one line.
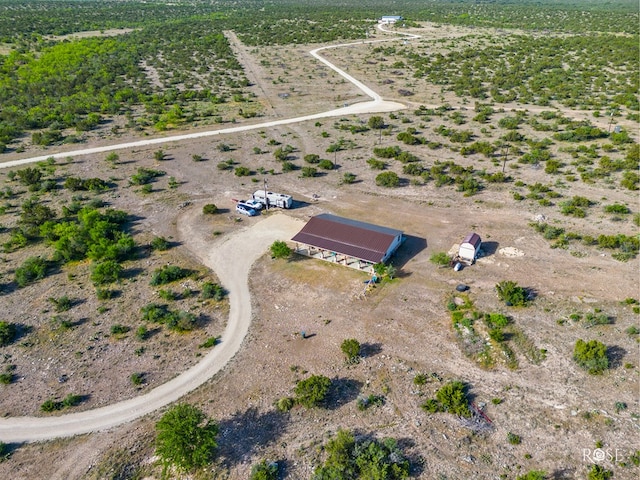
[[527, 385]]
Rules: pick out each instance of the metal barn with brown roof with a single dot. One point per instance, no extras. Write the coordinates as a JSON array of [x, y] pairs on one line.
[[347, 242]]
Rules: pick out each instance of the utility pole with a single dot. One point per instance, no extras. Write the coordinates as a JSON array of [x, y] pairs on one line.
[[504, 162], [610, 120], [266, 198]]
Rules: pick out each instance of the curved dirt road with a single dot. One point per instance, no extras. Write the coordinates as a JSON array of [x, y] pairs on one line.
[[232, 269], [224, 257], [376, 105]]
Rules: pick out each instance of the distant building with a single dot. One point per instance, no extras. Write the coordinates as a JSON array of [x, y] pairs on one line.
[[347, 242], [390, 19]]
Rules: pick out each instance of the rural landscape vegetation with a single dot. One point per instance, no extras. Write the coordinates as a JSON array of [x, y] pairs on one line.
[[520, 122]]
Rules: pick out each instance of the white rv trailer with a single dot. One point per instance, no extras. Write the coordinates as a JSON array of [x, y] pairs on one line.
[[272, 199]]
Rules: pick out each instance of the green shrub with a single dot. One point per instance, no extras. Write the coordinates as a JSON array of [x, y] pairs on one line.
[[31, 270], [288, 166], [118, 329], [137, 378], [185, 438], [264, 471], [440, 258], [533, 475], [312, 391], [180, 321], [496, 334], [71, 400], [209, 342], [61, 304], [376, 164], [387, 179], [617, 208], [155, 313], [496, 320], [365, 458], [50, 405], [29, 176], [351, 348], [326, 164], [210, 209], [285, 404], [142, 332], [309, 172], [348, 178], [453, 399], [242, 172], [312, 158], [431, 406], [212, 290], [6, 378], [387, 152], [513, 439], [593, 319], [412, 169], [145, 176], [372, 400], [106, 272], [632, 330], [591, 355], [598, 472], [280, 249], [8, 333], [168, 295], [159, 244], [104, 293], [511, 293], [168, 274], [420, 379]]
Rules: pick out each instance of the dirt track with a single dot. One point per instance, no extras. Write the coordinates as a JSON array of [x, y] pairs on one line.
[[231, 259]]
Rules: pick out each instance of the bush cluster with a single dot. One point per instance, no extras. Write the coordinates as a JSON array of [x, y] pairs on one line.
[[451, 398], [8, 332], [349, 458], [168, 274], [591, 355], [177, 320], [51, 405], [511, 293]]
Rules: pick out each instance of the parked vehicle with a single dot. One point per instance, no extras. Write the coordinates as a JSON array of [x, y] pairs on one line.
[[245, 209], [272, 199], [255, 204]]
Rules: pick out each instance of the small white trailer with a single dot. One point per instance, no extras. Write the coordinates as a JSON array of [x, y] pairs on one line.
[[272, 199], [469, 249]]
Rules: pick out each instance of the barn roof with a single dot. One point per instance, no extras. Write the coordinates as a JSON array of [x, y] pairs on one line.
[[349, 237], [472, 239]]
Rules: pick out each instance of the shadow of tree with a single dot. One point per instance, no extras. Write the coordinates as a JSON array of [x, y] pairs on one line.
[[615, 354], [370, 349], [342, 391], [244, 433], [563, 474]]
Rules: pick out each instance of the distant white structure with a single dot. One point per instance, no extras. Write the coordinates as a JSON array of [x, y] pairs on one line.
[[390, 19]]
